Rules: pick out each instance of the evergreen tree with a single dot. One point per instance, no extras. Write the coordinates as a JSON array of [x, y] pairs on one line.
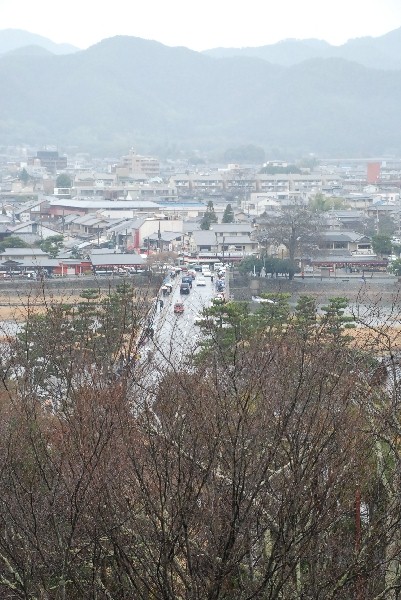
[[63, 181], [209, 216], [306, 316], [228, 216], [382, 244], [24, 176], [335, 320], [13, 241], [52, 245]]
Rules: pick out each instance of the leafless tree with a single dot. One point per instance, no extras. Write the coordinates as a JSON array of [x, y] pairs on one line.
[[296, 227], [269, 471]]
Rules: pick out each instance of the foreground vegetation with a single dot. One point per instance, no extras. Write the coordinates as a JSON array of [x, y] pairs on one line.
[[269, 467]]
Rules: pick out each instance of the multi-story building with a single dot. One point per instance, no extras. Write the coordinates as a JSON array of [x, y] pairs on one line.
[[50, 160], [135, 163]]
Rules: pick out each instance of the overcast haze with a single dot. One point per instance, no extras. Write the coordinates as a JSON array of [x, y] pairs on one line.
[[201, 25]]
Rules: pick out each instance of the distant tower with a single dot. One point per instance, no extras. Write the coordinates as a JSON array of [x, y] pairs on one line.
[[373, 172]]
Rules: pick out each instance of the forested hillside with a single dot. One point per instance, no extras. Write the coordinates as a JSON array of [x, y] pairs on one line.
[[126, 90]]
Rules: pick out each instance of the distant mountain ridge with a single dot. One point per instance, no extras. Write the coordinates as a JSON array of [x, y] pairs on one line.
[[126, 91], [15, 39], [383, 52]]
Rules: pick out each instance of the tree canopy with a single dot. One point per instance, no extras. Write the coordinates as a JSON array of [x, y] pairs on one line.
[[24, 176], [52, 245], [63, 181], [297, 228], [228, 215], [321, 203], [12, 241], [382, 244], [209, 217], [265, 465], [247, 154]]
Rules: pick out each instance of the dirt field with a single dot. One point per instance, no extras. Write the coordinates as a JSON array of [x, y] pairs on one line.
[[15, 307], [378, 302], [17, 299]]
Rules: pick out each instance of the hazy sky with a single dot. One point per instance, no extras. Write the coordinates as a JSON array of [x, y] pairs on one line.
[[201, 24]]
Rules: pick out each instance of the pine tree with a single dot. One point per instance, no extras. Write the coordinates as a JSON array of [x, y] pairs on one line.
[[209, 216], [228, 216]]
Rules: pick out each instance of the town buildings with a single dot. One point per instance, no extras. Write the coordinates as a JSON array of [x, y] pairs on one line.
[[135, 204]]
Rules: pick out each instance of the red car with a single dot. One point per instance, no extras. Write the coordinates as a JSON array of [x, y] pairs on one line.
[[178, 308]]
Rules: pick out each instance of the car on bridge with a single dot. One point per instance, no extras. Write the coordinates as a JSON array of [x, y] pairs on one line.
[[185, 288], [178, 308], [187, 279]]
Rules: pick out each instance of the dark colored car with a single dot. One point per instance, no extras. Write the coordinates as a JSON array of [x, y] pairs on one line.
[[185, 288], [187, 279]]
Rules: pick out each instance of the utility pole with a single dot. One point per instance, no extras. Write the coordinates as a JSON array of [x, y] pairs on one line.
[[159, 236]]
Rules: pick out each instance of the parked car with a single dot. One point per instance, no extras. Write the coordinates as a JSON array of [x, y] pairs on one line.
[[185, 288], [219, 299], [262, 300], [178, 308], [201, 281]]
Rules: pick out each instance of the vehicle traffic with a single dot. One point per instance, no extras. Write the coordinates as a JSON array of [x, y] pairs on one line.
[[201, 281], [185, 288], [187, 279], [178, 308]]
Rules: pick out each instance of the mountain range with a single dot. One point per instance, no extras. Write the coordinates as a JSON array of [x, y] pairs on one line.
[[17, 39], [383, 52], [126, 91]]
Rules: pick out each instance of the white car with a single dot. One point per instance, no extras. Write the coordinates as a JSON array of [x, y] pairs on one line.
[[201, 281], [262, 300], [219, 299], [207, 273]]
